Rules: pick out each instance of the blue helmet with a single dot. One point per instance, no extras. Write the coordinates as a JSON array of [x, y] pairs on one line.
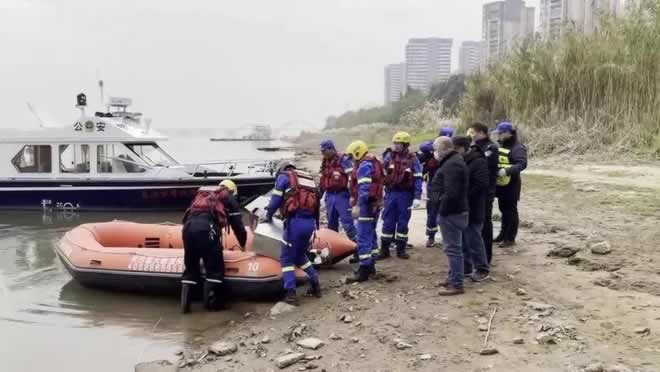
[[328, 144], [504, 127], [446, 132], [426, 146]]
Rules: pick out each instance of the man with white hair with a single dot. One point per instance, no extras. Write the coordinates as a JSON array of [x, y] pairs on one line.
[[449, 193]]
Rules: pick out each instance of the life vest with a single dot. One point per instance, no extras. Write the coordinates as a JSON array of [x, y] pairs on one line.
[[400, 172], [503, 162], [210, 200], [333, 175], [377, 181], [301, 196]]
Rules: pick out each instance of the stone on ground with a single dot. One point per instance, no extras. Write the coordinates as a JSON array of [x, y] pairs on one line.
[[289, 359], [310, 343], [281, 308], [222, 348], [601, 248]]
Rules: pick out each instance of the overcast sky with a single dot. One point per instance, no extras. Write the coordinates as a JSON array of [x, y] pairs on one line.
[[214, 63]]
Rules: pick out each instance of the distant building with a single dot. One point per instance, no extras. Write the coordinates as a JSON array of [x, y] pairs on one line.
[[395, 82], [595, 9], [631, 5], [469, 57], [428, 61], [504, 24], [579, 15]]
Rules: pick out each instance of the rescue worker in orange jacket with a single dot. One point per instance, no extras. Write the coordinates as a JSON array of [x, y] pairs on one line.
[[367, 198], [403, 192], [213, 209], [297, 198]]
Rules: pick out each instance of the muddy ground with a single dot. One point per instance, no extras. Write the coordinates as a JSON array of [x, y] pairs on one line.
[[584, 312]]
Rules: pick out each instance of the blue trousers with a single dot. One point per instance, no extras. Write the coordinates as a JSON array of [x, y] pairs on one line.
[[339, 210], [298, 233], [452, 228], [474, 251], [431, 220], [366, 235], [396, 215]]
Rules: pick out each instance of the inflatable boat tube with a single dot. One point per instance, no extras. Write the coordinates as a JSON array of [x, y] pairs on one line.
[[148, 258]]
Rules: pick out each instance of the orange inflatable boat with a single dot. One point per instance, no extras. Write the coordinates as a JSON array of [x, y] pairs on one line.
[[149, 258]]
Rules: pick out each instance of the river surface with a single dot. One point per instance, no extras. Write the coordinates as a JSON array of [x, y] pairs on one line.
[[50, 323]]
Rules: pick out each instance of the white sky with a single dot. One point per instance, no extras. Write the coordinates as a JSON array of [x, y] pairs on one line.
[[214, 63]]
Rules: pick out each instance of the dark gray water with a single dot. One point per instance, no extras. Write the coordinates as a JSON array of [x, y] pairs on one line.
[[50, 323]]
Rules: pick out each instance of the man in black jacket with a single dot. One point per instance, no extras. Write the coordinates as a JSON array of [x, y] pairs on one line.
[[449, 193], [512, 160], [473, 244], [480, 138]]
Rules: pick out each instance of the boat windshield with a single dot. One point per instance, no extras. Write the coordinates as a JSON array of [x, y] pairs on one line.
[[152, 154]]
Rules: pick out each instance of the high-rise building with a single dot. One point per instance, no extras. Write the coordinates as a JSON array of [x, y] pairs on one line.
[[428, 60], [469, 56], [631, 5], [579, 15], [505, 23], [395, 82], [595, 9]]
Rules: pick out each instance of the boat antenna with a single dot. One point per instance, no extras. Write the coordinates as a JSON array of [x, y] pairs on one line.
[[147, 121], [101, 91], [36, 114]]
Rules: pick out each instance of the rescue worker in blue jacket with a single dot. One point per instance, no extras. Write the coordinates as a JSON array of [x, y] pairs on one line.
[[403, 192], [367, 199], [297, 198], [213, 209], [429, 166], [336, 169]]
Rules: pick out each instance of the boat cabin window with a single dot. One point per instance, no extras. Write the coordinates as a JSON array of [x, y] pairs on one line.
[[74, 158], [117, 158], [33, 159], [152, 154]]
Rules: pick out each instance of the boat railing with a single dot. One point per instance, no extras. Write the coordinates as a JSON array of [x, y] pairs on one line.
[[226, 167], [236, 166]]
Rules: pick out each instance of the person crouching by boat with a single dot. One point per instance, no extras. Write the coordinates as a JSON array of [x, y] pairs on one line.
[[213, 209], [297, 198]]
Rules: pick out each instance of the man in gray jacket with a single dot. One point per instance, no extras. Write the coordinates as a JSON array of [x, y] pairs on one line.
[[449, 189]]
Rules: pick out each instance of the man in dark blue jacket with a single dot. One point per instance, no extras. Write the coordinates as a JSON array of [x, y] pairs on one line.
[[480, 137], [512, 160], [476, 263]]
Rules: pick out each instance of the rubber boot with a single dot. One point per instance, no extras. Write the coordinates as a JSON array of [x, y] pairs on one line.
[[401, 250], [214, 299], [384, 249], [186, 295], [291, 298], [314, 290], [361, 275], [372, 269]]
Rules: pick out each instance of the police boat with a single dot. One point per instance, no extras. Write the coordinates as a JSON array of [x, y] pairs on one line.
[[110, 160]]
